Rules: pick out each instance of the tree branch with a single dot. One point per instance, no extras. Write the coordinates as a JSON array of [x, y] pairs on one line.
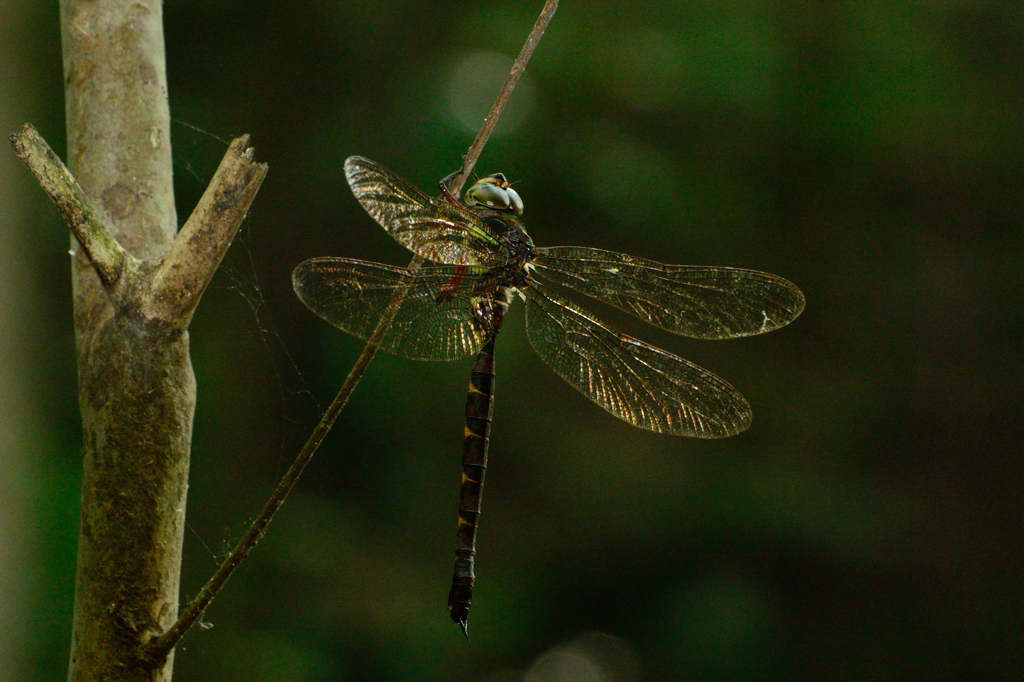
[[200, 246], [107, 256], [136, 387], [172, 291], [165, 643]]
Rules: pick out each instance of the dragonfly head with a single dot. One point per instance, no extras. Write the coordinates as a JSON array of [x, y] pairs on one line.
[[494, 192]]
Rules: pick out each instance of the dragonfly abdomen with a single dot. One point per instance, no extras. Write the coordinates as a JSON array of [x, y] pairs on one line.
[[479, 407]]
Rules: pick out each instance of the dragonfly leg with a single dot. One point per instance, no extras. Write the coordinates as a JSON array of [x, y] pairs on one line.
[[446, 193], [443, 184]]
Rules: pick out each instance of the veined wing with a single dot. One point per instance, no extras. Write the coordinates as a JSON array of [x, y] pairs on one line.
[[643, 385], [698, 301], [431, 228], [444, 313]]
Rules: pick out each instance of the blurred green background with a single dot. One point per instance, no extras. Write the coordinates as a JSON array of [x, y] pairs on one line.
[[868, 525]]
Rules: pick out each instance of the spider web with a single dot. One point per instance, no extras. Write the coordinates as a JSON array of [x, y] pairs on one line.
[[195, 161]]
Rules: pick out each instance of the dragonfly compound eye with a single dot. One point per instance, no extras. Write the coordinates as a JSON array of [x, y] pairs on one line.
[[487, 194], [517, 203]]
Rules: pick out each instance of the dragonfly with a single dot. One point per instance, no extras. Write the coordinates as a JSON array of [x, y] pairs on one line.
[[478, 257]]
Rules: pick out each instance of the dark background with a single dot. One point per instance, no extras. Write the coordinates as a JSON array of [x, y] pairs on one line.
[[866, 527]]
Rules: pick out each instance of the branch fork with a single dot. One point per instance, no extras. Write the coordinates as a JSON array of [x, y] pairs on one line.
[[172, 285]]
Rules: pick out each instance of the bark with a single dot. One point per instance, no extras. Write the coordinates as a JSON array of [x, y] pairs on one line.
[[135, 289], [136, 390]]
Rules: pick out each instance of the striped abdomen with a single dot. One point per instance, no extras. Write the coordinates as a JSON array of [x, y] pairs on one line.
[[474, 466]]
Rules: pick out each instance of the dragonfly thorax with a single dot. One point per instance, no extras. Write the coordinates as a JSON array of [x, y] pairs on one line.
[[516, 244]]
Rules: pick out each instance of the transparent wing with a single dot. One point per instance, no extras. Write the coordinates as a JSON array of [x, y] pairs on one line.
[[641, 384], [696, 301], [431, 228], [444, 313]]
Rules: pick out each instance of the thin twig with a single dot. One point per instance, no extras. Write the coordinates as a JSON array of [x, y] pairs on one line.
[[157, 649], [107, 256], [469, 161], [160, 647]]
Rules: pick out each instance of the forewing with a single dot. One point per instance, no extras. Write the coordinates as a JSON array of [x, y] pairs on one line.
[[433, 229], [696, 301], [643, 385], [443, 313]]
